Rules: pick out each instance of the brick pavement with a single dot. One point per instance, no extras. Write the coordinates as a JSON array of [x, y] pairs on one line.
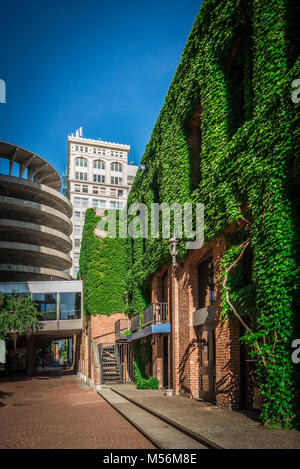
[[54, 410]]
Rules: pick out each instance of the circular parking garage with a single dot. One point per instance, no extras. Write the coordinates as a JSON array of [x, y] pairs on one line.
[[34, 218]]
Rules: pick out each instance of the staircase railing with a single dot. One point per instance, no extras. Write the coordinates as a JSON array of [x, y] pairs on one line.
[[120, 326]]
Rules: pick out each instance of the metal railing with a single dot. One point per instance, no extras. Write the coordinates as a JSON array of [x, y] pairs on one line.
[[135, 322], [155, 313], [125, 355], [120, 326]]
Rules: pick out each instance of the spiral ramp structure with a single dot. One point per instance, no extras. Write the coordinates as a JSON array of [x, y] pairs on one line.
[[35, 224]]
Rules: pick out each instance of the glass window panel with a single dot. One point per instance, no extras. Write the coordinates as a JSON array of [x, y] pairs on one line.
[[70, 306], [46, 304]]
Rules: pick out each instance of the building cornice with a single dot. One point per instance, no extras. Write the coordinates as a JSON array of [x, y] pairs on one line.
[[102, 143]]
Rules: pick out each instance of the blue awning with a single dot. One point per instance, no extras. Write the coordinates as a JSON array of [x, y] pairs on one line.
[[164, 328]]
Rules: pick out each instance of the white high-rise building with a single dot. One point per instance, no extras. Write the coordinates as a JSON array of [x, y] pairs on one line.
[[98, 176]]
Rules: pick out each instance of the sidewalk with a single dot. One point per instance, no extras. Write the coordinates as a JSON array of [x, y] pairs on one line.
[[223, 427]]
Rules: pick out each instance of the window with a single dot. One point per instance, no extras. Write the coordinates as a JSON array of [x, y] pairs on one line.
[[81, 148], [77, 215], [113, 205], [194, 139], [94, 150], [120, 193], [116, 167], [116, 180], [77, 243], [102, 204], [76, 147], [99, 178], [86, 149], [81, 176], [99, 164], [120, 205], [70, 305], [102, 190], [77, 229], [77, 188], [81, 202], [113, 192], [211, 285], [85, 189], [81, 162], [46, 304], [95, 190], [206, 282], [95, 203], [76, 270], [237, 67]]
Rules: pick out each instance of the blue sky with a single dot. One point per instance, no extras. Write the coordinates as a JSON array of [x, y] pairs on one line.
[[102, 65]]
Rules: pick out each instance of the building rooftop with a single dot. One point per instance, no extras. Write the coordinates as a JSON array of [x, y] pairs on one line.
[[74, 138], [39, 170]]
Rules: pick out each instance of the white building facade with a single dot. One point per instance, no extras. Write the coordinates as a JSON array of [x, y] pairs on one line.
[[99, 176]]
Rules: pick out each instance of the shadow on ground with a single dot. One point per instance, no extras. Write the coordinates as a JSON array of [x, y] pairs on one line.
[[3, 395]]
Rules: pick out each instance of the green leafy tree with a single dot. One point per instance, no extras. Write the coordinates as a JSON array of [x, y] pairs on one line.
[[64, 350], [18, 314]]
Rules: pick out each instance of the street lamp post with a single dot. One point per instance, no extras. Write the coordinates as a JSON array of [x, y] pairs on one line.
[[173, 242]]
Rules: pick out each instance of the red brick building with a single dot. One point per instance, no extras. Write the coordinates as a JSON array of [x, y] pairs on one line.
[[99, 333], [202, 357]]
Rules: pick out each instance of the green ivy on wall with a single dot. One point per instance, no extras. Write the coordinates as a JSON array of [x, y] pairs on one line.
[[102, 269], [142, 355], [239, 62]]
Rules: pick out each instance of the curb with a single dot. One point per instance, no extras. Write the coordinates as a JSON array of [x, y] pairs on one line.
[[190, 433], [132, 422]]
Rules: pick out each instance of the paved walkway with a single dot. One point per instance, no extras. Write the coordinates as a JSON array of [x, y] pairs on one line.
[[55, 410], [226, 428]]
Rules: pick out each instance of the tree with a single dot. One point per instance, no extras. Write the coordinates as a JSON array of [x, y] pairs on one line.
[[18, 314], [64, 350]]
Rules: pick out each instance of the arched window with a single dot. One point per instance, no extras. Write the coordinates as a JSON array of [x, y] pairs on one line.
[[116, 167], [81, 162], [99, 164]]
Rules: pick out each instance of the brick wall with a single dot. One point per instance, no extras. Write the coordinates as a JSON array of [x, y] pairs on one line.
[[98, 330], [184, 345]]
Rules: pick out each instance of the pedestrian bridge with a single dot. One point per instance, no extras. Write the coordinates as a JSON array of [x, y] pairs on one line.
[[59, 303]]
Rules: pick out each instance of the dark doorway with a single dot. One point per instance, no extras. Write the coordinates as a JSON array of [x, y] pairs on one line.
[[166, 362], [164, 286], [207, 362]]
